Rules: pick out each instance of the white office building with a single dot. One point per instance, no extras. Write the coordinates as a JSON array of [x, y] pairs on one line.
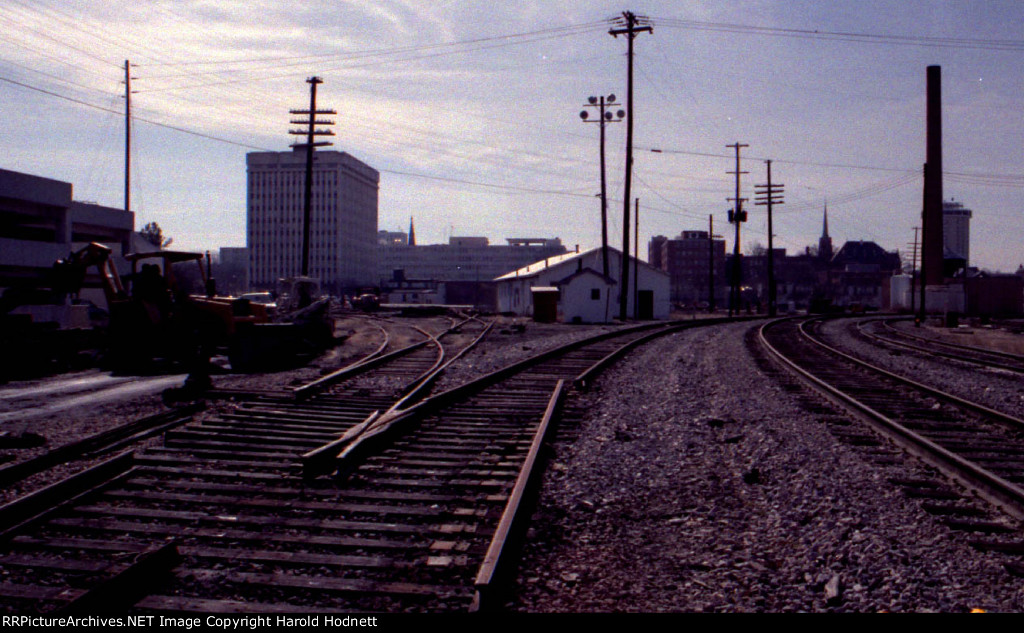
[[343, 222]]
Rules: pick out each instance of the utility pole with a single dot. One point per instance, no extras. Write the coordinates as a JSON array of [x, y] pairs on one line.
[[636, 260], [913, 274], [629, 25], [127, 136], [603, 119], [736, 216], [711, 263], [769, 194], [311, 132], [924, 253]]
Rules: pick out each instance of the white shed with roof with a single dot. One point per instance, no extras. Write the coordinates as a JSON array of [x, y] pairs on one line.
[[585, 294]]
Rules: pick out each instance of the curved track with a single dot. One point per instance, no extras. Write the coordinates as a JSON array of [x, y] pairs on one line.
[[261, 510], [978, 447], [884, 331]]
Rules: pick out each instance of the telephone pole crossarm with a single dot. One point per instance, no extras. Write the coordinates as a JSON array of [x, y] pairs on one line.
[[311, 133], [770, 194]]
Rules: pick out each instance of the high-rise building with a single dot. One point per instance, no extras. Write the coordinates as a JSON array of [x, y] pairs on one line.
[[956, 231], [343, 219]]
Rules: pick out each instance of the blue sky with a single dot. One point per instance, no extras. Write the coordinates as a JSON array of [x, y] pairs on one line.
[[470, 110]]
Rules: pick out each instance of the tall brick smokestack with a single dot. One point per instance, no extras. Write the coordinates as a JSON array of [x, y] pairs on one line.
[[932, 214]]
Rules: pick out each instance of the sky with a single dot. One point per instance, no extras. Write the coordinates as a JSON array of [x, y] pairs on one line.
[[470, 111]]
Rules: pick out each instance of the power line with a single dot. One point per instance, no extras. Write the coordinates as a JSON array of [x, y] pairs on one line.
[[384, 52], [867, 38], [350, 66], [136, 118]]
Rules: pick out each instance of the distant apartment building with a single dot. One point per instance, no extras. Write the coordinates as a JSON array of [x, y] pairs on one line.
[[467, 259], [39, 224], [343, 224], [688, 259]]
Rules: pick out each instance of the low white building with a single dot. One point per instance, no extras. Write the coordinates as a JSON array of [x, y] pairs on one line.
[[585, 294]]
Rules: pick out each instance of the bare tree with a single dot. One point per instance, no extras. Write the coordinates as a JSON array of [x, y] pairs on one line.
[[757, 249], [153, 234]]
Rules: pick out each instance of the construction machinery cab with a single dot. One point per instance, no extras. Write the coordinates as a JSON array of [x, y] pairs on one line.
[[297, 293]]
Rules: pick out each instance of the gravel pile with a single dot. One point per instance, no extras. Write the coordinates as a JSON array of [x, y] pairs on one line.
[[999, 389], [695, 483]]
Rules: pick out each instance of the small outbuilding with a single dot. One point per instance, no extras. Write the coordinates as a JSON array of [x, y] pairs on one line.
[[584, 295]]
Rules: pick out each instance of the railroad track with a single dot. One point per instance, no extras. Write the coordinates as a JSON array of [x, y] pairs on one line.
[[885, 331], [979, 448], [286, 506], [408, 365]]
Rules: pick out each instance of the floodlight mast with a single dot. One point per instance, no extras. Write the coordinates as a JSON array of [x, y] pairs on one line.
[[605, 117]]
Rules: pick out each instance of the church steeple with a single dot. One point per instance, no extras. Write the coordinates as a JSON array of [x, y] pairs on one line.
[[825, 242], [412, 233]]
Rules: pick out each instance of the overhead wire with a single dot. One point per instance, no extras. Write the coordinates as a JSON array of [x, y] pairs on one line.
[[869, 38]]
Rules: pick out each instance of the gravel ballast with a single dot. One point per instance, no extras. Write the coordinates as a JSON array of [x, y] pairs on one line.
[[697, 483]]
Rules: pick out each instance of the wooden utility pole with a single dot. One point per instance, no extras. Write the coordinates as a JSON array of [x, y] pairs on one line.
[[629, 25], [736, 216], [913, 274], [636, 260], [127, 136], [769, 194], [711, 263], [311, 132]]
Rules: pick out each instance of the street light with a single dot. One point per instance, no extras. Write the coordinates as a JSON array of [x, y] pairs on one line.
[[605, 117]]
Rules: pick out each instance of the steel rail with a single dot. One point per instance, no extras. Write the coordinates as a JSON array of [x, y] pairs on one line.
[[585, 379], [36, 506], [407, 531], [885, 340], [967, 348], [100, 443], [497, 566], [990, 486], [223, 393], [366, 365], [1003, 418], [356, 445]]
